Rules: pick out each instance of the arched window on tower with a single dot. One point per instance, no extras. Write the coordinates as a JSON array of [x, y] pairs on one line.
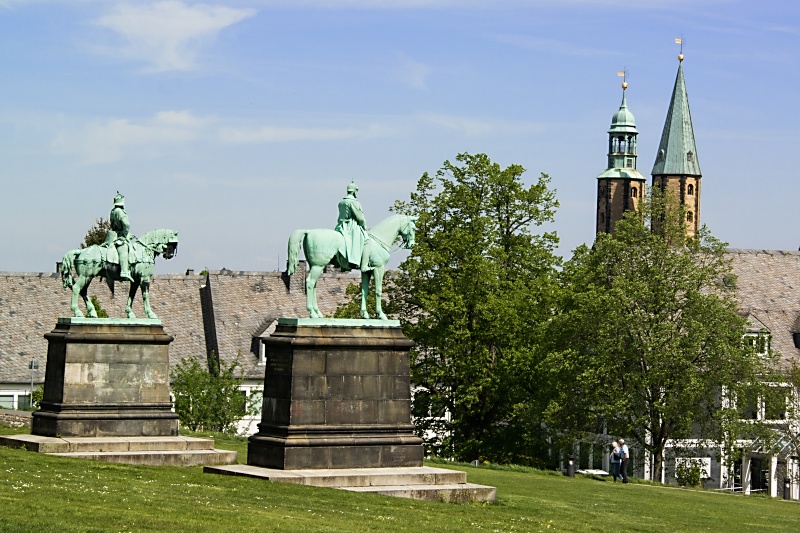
[[689, 216], [634, 192], [690, 189], [602, 218]]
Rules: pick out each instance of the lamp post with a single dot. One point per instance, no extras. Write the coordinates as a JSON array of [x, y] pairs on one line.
[[33, 365]]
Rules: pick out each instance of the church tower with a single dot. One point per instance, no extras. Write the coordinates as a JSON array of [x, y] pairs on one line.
[[621, 187], [677, 170]]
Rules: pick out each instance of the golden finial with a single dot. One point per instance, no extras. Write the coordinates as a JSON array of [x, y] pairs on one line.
[[680, 42], [623, 74]]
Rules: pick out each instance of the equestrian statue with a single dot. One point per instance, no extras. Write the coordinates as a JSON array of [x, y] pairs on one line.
[[351, 247], [121, 257]]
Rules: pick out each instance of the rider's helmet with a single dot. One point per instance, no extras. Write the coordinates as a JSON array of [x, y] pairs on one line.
[[352, 187], [119, 200]]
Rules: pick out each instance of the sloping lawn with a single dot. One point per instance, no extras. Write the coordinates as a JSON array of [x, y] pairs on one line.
[[40, 493]]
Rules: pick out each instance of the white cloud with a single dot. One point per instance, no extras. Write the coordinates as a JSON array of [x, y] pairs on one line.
[[109, 141], [473, 127], [555, 47], [270, 134], [413, 73], [168, 35]]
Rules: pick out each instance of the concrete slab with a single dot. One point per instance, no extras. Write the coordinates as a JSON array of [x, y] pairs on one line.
[[423, 483], [186, 451]]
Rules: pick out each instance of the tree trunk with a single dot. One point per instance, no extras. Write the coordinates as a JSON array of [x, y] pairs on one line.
[[658, 460]]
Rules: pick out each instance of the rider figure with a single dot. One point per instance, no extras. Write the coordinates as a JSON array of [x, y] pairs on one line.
[[352, 225], [118, 234]]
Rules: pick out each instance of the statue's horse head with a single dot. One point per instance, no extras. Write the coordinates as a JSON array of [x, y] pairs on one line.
[[408, 230], [161, 241]]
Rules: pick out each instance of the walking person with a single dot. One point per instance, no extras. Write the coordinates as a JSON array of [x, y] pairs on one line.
[[624, 459], [615, 461]]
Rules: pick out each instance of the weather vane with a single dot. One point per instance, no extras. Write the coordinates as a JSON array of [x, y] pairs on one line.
[[624, 75], [679, 40]]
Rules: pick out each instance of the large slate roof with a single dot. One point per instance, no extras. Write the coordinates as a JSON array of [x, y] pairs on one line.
[[241, 307], [769, 293], [228, 311]]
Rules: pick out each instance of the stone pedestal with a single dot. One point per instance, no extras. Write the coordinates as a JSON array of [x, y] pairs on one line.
[[106, 377], [336, 395]]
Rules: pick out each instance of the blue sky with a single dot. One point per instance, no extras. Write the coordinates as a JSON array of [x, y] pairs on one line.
[[237, 122]]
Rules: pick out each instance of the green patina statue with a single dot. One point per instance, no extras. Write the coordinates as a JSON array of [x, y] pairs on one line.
[[119, 235], [122, 257], [350, 246]]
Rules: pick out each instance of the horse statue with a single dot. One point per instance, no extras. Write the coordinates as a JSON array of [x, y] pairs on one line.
[[321, 247], [102, 260]]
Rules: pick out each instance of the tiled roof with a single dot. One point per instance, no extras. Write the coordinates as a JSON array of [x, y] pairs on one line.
[[769, 291], [244, 304]]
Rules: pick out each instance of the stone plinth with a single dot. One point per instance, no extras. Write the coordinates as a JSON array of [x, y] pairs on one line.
[[336, 395], [106, 377]]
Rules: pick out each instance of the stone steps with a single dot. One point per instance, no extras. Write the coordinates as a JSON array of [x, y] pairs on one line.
[[175, 451], [422, 483], [159, 458], [450, 493]]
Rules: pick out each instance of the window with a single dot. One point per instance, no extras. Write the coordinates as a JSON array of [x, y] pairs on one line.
[[775, 403], [6, 402], [760, 342], [689, 216], [634, 192], [689, 156], [690, 189], [629, 163], [602, 218]]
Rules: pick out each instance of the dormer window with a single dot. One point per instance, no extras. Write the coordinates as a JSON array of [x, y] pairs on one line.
[[689, 156]]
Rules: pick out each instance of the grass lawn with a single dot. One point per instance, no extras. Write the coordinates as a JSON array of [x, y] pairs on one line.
[[40, 493]]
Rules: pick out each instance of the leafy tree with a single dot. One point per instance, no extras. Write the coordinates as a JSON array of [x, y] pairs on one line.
[[472, 295], [101, 313], [97, 233], [648, 341], [205, 401], [351, 306]]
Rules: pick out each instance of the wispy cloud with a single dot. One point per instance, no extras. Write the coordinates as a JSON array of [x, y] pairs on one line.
[[413, 73], [474, 127], [553, 46], [111, 140], [168, 35], [271, 134]]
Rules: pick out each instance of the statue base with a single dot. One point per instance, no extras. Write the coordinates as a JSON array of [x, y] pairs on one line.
[[336, 395], [106, 378]]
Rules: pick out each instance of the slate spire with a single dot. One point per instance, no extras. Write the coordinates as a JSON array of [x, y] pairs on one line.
[[677, 153], [676, 171]]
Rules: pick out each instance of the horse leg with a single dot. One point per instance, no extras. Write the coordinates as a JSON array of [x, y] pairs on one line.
[[131, 295], [364, 293], [378, 280], [84, 281], [311, 291], [77, 287], [146, 298]]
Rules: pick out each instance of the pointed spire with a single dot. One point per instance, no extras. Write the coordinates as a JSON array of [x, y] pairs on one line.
[[677, 153]]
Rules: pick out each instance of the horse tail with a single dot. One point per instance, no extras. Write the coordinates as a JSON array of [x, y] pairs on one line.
[[295, 242], [67, 263]]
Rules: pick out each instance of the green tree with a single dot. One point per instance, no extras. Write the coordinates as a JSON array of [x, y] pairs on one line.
[[97, 233], [206, 401], [351, 306], [648, 341], [101, 313], [473, 295]]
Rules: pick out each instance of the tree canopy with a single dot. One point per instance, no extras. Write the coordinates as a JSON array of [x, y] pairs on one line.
[[473, 295], [648, 338]]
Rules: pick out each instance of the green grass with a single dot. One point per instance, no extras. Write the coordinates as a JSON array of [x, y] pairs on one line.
[[40, 493]]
